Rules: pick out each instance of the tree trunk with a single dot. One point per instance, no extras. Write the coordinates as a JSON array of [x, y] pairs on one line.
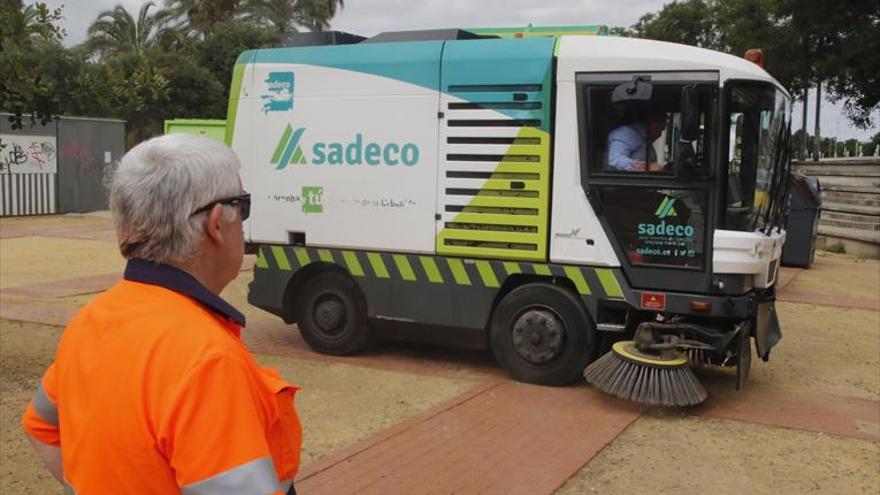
[[816, 136], [802, 152]]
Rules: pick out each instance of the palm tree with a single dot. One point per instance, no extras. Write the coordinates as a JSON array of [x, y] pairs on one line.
[[198, 16], [116, 31], [286, 15]]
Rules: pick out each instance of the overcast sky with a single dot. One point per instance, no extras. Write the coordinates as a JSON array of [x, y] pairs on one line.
[[368, 17]]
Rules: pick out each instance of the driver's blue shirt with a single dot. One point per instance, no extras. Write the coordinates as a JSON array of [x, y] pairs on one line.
[[627, 144]]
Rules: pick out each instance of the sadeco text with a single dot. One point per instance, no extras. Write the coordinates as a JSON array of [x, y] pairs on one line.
[[663, 228], [355, 153]]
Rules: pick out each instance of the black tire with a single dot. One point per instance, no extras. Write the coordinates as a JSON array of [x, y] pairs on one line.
[[331, 312], [541, 334]]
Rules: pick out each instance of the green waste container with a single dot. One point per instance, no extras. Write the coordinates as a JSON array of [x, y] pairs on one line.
[[213, 129]]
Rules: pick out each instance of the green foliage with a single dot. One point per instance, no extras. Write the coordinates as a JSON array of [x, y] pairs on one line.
[[25, 88], [225, 42], [804, 41], [689, 21], [116, 31], [839, 247], [160, 64]]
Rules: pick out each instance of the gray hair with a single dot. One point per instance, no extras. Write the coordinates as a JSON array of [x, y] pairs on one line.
[[158, 184]]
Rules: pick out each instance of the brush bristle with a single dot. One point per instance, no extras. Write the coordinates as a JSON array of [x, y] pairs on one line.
[[652, 385]]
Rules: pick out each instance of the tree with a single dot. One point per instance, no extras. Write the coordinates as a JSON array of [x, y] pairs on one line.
[[197, 17], [138, 89], [225, 42], [805, 42], [24, 88], [116, 31], [689, 22], [287, 15], [849, 51]]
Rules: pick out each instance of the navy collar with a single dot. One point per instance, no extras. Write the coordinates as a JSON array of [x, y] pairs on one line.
[[171, 278]]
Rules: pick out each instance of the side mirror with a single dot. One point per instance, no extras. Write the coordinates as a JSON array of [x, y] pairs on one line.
[[638, 89], [690, 113]]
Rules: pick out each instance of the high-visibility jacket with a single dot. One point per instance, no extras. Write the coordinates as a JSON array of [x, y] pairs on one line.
[[153, 392]]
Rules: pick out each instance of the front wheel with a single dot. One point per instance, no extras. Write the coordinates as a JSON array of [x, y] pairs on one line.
[[332, 314], [540, 333]]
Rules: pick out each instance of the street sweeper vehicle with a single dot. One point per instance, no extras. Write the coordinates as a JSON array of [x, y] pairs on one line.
[[552, 198]]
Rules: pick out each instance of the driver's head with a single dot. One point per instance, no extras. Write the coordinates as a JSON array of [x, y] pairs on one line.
[[655, 122]]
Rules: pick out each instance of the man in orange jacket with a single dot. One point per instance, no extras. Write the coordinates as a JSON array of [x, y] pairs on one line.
[[152, 390]]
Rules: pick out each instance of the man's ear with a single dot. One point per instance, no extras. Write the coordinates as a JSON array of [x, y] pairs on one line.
[[213, 221]]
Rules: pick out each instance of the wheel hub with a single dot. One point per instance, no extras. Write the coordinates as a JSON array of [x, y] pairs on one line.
[[330, 315], [538, 336]]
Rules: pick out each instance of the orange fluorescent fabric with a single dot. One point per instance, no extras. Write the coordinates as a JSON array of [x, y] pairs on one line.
[[155, 392]]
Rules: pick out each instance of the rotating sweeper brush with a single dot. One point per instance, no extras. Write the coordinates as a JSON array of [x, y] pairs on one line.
[[663, 379], [654, 367]]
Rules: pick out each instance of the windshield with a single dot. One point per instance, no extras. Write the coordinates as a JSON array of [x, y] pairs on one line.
[[758, 125]]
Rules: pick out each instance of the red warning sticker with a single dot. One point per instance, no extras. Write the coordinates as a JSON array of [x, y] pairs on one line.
[[653, 301]]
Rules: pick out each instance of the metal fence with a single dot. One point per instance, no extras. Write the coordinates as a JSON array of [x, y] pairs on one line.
[[65, 166]]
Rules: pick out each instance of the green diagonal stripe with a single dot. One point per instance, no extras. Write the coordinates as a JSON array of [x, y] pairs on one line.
[[404, 267], [577, 277], [659, 211], [609, 283], [458, 272], [302, 256], [325, 256], [431, 270], [281, 144], [542, 269], [281, 258], [512, 268], [354, 266], [487, 274], [298, 155], [261, 260], [378, 265]]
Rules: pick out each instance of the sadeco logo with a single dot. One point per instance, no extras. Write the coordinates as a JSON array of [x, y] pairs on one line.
[[279, 92], [666, 209], [355, 152]]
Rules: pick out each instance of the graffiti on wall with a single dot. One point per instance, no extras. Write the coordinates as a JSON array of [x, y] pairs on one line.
[[25, 154], [75, 153]]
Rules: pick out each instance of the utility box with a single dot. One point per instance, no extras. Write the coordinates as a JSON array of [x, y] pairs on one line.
[[209, 128]]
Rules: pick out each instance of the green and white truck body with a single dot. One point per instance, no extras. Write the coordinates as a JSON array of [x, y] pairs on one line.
[[437, 177]]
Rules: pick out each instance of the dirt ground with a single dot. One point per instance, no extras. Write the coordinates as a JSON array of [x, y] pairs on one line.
[[827, 353], [670, 453], [339, 404]]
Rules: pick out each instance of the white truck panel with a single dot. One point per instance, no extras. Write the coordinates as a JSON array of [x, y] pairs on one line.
[[573, 221], [326, 200]]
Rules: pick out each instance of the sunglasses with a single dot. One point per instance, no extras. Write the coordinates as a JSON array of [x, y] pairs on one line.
[[243, 200]]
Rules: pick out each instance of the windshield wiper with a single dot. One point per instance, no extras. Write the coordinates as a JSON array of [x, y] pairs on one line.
[[780, 185]]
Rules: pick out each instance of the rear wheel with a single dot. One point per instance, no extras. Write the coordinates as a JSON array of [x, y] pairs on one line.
[[541, 334], [332, 314]]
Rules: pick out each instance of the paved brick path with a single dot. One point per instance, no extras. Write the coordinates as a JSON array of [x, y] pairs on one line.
[[503, 437]]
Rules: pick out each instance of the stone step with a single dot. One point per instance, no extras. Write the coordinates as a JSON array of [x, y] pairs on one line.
[[852, 189], [857, 171], [848, 224], [850, 216], [848, 181], [850, 198], [843, 232], [858, 208]]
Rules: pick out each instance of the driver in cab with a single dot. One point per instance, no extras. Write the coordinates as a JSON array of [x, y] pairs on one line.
[[630, 145]]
